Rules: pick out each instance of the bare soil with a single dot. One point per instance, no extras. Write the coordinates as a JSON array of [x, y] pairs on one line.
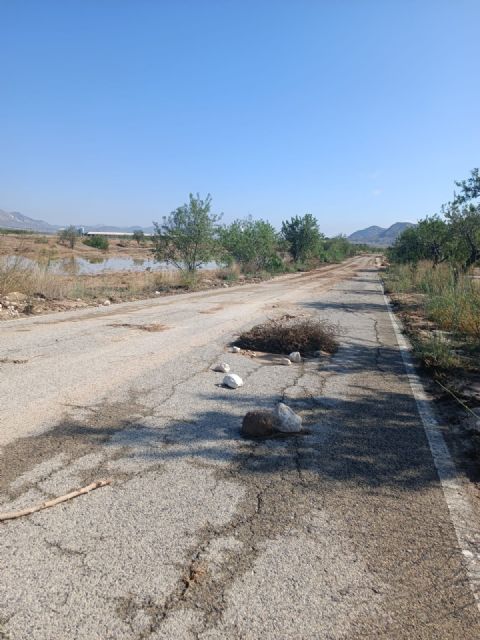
[[38, 247]]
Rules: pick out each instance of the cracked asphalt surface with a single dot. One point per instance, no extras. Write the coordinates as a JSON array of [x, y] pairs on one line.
[[341, 533]]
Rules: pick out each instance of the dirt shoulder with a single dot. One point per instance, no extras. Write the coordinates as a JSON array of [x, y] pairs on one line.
[[110, 288]]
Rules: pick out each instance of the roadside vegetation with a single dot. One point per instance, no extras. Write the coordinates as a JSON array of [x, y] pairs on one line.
[[433, 278], [197, 250], [192, 236]]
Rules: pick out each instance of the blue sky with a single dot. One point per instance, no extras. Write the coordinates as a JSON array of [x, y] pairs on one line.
[[358, 111]]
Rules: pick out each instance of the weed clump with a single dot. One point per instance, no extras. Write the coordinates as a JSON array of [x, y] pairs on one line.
[[288, 334]]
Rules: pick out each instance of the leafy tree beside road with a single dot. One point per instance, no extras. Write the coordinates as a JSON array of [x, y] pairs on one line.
[[428, 240], [251, 243], [188, 237], [454, 238], [302, 236]]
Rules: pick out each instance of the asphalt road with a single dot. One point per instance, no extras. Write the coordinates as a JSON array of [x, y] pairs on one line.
[[342, 533]]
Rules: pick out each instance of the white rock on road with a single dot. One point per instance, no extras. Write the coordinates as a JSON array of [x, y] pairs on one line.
[[295, 357], [288, 420], [233, 381], [222, 367], [236, 349]]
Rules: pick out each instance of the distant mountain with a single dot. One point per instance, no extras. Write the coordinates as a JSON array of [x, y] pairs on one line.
[[16, 220], [378, 235]]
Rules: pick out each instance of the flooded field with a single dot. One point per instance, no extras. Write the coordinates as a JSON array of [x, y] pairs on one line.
[[96, 265]]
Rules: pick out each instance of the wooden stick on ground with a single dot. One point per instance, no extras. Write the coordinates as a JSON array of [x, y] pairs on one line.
[[11, 515]]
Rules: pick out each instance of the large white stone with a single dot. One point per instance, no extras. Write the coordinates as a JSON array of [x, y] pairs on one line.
[[233, 381], [288, 420], [295, 356]]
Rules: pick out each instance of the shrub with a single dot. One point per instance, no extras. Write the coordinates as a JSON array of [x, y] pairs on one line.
[[436, 353], [288, 334], [98, 242], [68, 236]]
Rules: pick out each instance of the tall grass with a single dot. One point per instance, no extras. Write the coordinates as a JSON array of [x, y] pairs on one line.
[[452, 300], [24, 276]]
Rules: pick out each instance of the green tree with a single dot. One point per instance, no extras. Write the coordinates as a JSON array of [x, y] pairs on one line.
[[463, 215], [138, 235], [188, 237], [302, 236], [406, 247], [433, 239], [464, 226], [69, 236], [336, 249], [469, 189], [251, 243], [427, 240]]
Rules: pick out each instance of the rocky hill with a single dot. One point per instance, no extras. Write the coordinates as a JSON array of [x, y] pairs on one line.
[[16, 220], [379, 236]]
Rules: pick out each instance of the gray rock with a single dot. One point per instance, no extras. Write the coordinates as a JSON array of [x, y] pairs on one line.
[[259, 424], [16, 296], [233, 381], [236, 349], [295, 357], [289, 421], [223, 367]]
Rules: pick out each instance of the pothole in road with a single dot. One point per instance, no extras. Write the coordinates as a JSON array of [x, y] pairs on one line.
[[151, 328]]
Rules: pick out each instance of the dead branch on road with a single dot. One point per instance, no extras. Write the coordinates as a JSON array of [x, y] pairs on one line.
[[11, 515]]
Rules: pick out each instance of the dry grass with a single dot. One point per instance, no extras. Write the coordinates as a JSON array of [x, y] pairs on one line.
[[288, 334], [18, 274], [451, 302]]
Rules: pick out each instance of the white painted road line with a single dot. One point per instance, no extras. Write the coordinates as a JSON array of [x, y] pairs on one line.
[[459, 506]]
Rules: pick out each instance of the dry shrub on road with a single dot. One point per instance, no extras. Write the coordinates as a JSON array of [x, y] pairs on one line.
[[288, 334]]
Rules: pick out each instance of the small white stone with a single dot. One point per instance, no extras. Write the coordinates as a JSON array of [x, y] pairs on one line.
[[157, 293], [285, 361], [107, 303], [223, 367], [236, 349], [233, 381], [289, 421], [295, 356]]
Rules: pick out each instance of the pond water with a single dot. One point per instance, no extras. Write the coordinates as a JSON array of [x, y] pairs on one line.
[[92, 266]]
